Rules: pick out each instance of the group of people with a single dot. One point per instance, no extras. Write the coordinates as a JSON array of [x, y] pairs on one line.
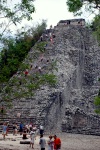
[[52, 144], [50, 35]]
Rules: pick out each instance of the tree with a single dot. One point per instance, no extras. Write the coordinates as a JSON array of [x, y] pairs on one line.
[[16, 49], [76, 6], [95, 25], [14, 13]]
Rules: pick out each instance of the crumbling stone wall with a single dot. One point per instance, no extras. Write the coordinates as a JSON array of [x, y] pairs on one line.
[[68, 106]]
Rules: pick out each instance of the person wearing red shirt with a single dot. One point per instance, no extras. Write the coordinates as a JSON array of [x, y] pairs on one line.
[[57, 143], [26, 72]]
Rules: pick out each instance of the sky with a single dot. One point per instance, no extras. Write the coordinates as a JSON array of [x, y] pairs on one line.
[[53, 11]]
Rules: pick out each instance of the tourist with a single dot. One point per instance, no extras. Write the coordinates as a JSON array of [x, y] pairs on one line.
[[41, 130], [14, 126], [50, 35], [7, 128], [21, 128], [42, 142], [24, 135], [53, 35], [16, 129], [26, 72], [36, 67], [34, 128], [50, 143], [51, 27], [51, 39], [40, 69], [27, 128], [31, 66], [4, 130], [18, 114], [46, 35], [41, 38], [30, 126], [2, 109], [32, 136], [57, 143]]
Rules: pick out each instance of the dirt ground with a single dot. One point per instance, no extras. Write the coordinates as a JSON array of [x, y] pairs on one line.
[[69, 142]]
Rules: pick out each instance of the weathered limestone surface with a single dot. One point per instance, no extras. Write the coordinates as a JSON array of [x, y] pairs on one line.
[[68, 106]]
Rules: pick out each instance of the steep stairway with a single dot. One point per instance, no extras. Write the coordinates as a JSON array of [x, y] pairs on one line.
[[74, 55]]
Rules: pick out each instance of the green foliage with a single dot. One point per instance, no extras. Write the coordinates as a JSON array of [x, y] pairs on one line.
[[78, 7], [96, 27], [97, 111], [54, 65], [8, 89], [74, 5], [11, 58], [50, 79], [32, 86], [97, 104], [16, 50], [97, 101], [40, 46], [32, 83], [14, 13], [23, 67]]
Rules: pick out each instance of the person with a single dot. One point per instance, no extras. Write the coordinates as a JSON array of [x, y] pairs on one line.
[[21, 128], [14, 127], [24, 135], [26, 72], [34, 128], [51, 40], [36, 67], [27, 128], [42, 142], [31, 66], [41, 38], [51, 27], [47, 60], [53, 35], [4, 130], [50, 143], [30, 126], [50, 35], [18, 114], [7, 128], [40, 69], [32, 136], [57, 143], [2, 109], [41, 130]]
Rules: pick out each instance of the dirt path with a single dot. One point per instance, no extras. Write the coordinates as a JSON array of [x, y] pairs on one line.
[[69, 142]]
